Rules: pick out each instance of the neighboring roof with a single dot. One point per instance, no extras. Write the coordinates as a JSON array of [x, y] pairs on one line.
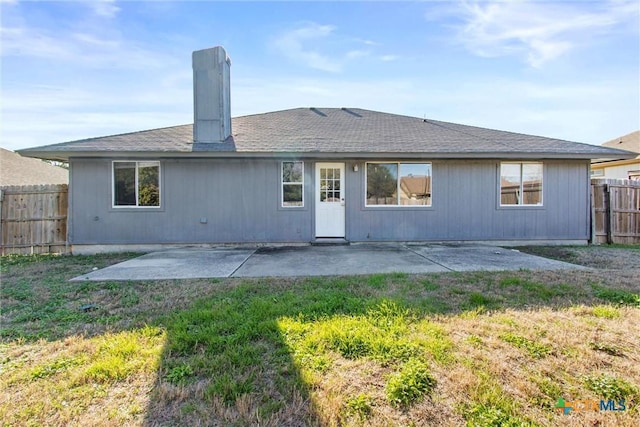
[[18, 170], [629, 142], [416, 185], [323, 132]]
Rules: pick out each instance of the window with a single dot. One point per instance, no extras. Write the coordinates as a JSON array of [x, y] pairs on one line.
[[398, 184], [136, 184], [292, 184], [521, 184]]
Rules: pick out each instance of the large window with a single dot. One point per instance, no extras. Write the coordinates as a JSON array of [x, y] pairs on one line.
[[136, 184], [292, 184], [521, 184], [398, 184]]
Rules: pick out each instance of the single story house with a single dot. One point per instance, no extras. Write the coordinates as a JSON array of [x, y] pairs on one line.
[[306, 174], [622, 168]]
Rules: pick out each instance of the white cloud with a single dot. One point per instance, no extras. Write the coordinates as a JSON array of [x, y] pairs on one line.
[[88, 40], [292, 45], [355, 54], [80, 48], [389, 58], [104, 8], [321, 47], [537, 31], [22, 41]]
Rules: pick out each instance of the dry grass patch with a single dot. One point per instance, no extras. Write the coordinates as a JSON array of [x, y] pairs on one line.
[[101, 381], [615, 257], [478, 348]]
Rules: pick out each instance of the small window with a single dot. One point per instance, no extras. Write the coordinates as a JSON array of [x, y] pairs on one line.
[[398, 184], [136, 184], [292, 184], [521, 184]]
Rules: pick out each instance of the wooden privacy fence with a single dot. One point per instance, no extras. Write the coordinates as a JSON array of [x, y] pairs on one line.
[[34, 219], [615, 211]]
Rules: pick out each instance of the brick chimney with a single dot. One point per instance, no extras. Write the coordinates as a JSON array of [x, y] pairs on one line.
[[211, 95]]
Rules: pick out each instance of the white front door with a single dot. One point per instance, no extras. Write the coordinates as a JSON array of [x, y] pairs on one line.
[[329, 195]]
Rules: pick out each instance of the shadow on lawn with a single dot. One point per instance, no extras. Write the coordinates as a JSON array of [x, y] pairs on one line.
[[227, 360]]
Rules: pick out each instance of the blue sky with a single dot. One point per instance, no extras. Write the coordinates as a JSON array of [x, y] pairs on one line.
[[565, 69]]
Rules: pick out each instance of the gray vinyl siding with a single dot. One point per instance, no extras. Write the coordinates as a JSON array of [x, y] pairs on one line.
[[466, 206], [241, 201], [239, 198]]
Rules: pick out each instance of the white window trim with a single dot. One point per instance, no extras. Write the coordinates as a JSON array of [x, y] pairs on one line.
[[366, 169], [282, 184], [521, 190], [136, 206]]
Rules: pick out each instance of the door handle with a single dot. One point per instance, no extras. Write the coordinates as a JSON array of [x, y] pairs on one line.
[[342, 201]]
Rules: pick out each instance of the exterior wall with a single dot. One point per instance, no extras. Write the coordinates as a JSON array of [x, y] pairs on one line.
[[466, 206], [624, 171], [240, 200]]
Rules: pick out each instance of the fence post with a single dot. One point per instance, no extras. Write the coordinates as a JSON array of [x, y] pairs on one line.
[[609, 212], [1, 227], [593, 239]]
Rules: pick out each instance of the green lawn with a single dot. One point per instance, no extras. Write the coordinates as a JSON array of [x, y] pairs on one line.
[[477, 349]]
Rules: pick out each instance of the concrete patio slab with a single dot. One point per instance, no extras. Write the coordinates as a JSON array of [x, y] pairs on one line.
[[472, 257], [192, 263], [174, 264], [335, 260]]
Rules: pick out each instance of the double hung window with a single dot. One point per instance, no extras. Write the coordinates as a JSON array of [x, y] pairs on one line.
[[292, 184]]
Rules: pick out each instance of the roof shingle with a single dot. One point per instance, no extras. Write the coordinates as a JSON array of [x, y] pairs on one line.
[[18, 170], [629, 142], [345, 131]]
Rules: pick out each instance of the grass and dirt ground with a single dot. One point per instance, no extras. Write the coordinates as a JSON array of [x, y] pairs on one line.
[[476, 349]]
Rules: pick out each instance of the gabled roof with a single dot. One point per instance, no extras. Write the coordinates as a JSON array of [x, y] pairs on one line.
[[326, 132], [18, 170]]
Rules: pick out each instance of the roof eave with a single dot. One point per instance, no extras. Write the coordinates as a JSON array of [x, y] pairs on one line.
[[58, 156], [612, 159], [64, 156]]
